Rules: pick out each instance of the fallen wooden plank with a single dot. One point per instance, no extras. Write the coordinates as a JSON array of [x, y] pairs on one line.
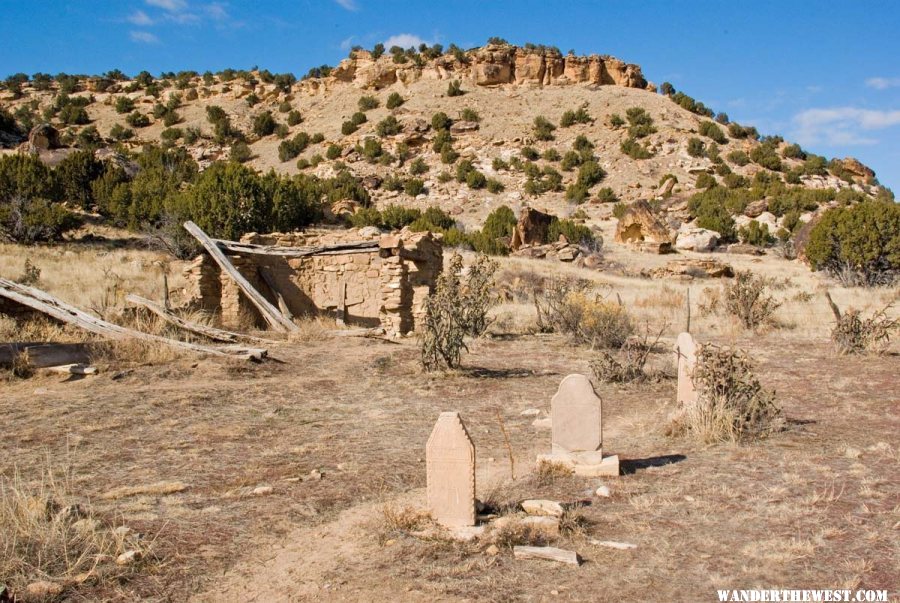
[[297, 252], [47, 304], [548, 553], [622, 546], [43, 355], [243, 352], [269, 312], [74, 369], [266, 273]]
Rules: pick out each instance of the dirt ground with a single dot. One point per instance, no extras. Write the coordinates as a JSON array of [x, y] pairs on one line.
[[812, 507]]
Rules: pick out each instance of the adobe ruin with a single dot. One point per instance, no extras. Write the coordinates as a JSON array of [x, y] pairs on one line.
[[361, 276]]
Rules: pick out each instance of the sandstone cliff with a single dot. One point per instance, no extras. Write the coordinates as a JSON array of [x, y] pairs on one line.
[[491, 65]]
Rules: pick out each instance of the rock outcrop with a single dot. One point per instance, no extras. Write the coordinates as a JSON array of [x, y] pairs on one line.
[[642, 228], [491, 65], [531, 229]]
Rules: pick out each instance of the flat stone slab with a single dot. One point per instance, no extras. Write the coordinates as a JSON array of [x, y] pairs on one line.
[[584, 464], [542, 507], [548, 553]]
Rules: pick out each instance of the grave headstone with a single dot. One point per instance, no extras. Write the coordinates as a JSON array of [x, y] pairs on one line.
[[577, 430], [686, 355], [576, 416], [450, 469]]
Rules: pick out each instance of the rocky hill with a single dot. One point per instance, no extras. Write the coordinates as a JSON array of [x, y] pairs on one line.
[[526, 119]]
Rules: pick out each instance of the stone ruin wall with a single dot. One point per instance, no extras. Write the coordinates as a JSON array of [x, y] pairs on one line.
[[384, 286]]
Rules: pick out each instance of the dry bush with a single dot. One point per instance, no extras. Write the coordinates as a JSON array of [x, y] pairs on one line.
[[731, 404], [710, 301], [312, 328], [400, 521], [549, 472], [517, 533], [457, 308], [46, 535], [746, 298], [853, 334], [626, 365], [573, 307]]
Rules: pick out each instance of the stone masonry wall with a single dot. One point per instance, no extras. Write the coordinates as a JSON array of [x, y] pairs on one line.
[[380, 286]]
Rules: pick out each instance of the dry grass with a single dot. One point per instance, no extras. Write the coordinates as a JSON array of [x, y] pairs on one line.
[[48, 534], [88, 277]]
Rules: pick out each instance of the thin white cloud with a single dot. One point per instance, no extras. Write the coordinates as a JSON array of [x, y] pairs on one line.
[[348, 4], [347, 43], [141, 18], [404, 40], [143, 37], [842, 125], [173, 6], [883, 83]]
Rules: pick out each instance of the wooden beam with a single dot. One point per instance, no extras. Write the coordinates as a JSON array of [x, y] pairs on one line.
[[194, 327], [548, 553], [47, 304], [269, 312], [74, 369], [297, 252], [266, 273], [44, 355]]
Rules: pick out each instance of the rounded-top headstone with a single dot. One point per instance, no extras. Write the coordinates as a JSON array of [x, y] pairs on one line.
[[576, 416]]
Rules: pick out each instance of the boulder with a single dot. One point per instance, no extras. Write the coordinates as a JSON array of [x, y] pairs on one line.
[[745, 249], [857, 169], [43, 137], [641, 227], [756, 208], [666, 187], [696, 239], [531, 229], [464, 127], [693, 268]]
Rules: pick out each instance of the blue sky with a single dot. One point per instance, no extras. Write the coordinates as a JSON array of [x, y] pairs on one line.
[[822, 73]]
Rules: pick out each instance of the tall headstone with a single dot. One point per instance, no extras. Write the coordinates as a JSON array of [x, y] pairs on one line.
[[686, 356], [577, 430], [450, 468], [576, 416]]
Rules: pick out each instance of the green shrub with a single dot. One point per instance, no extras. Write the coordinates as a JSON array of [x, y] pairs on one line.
[[348, 127], [711, 130], [389, 126], [735, 130], [747, 299], [414, 187], [551, 155], [120, 132], [441, 121], [240, 152], [766, 156], [859, 244], [705, 180], [570, 161], [616, 121], [264, 124], [589, 174], [495, 186], [543, 181], [367, 103], [543, 129], [739, 158], [418, 167], [124, 105], [455, 88], [711, 209], [395, 217], [137, 120], [498, 165], [448, 155], [579, 116], [755, 233], [619, 209], [634, 149], [468, 114], [529, 153], [606, 195], [294, 118], [499, 223], [284, 107], [696, 147], [291, 148], [171, 135], [74, 115], [793, 151], [33, 220], [25, 176], [333, 151], [686, 102], [394, 100], [575, 233]]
